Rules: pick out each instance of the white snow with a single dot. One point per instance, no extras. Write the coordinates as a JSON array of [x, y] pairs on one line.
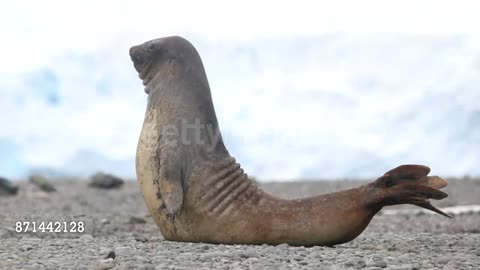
[[307, 91]]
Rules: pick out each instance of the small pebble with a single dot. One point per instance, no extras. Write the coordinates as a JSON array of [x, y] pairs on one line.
[[105, 264], [141, 238], [123, 251], [377, 262], [357, 263], [146, 267], [137, 220], [86, 238], [111, 255]]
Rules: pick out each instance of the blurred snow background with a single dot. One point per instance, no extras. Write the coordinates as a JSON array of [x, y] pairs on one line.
[[302, 89]]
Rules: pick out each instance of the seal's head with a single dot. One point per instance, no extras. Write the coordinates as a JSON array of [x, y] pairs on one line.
[[164, 56]]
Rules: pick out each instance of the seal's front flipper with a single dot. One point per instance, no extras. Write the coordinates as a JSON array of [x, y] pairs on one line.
[[170, 186], [409, 184]]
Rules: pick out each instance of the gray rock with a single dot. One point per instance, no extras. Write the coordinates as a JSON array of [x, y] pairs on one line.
[[137, 220], [105, 181], [246, 255], [443, 260], [162, 266], [416, 265], [376, 262], [34, 267], [86, 237], [104, 250], [140, 259], [91, 252], [26, 248], [7, 187], [283, 246], [104, 221], [111, 255], [355, 263], [146, 267], [42, 183], [123, 251], [105, 264], [140, 238], [402, 267], [405, 257], [216, 255], [336, 267]]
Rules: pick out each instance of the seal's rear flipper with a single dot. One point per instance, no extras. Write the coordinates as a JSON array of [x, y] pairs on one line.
[[409, 184]]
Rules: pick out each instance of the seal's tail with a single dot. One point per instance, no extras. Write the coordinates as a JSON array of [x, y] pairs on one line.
[[409, 184]]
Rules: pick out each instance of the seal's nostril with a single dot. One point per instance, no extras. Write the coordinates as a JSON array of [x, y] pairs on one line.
[[132, 50], [138, 58], [136, 54]]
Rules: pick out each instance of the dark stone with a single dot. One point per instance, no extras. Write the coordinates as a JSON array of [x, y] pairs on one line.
[[105, 181], [7, 187], [141, 238], [42, 183], [137, 220], [111, 255]]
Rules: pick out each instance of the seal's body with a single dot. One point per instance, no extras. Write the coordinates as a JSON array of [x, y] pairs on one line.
[[195, 191]]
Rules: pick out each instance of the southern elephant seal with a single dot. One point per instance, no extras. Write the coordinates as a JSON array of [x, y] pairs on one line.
[[196, 192]]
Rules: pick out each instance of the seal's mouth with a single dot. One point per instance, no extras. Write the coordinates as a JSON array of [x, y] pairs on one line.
[[142, 63], [144, 73]]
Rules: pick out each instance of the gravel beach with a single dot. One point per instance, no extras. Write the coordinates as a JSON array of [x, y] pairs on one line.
[[120, 234]]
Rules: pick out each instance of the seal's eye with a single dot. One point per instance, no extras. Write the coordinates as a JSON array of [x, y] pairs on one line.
[[151, 46]]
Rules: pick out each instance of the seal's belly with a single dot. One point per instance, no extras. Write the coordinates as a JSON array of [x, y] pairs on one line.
[[146, 163]]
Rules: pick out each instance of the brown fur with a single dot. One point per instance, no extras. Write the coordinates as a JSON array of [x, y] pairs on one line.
[[197, 192]]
